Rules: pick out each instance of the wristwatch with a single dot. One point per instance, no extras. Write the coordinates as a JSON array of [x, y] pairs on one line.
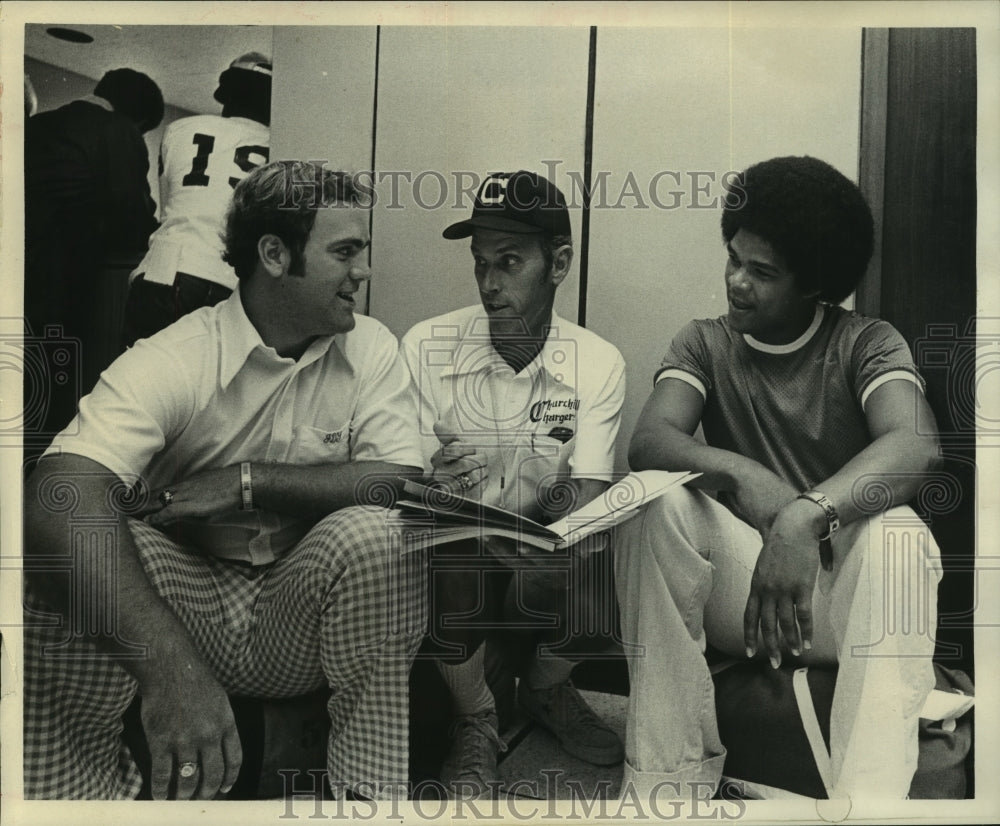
[[829, 509]]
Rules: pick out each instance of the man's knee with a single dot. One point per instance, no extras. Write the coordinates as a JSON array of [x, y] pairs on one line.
[[892, 565], [681, 510], [676, 504], [901, 543], [674, 526], [356, 528], [353, 540]]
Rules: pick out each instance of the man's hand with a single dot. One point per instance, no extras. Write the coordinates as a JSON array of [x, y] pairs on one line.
[[458, 467], [200, 496], [188, 720], [783, 581]]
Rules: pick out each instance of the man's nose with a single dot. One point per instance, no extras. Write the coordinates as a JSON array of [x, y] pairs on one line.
[[489, 283], [360, 271], [737, 279]]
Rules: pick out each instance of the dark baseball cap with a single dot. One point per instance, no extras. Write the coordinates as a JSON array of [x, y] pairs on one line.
[[249, 74], [521, 201]]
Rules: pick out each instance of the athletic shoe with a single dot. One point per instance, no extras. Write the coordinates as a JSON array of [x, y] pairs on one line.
[[574, 724], [470, 770]]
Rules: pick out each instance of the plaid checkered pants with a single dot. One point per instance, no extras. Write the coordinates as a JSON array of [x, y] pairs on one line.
[[343, 608]]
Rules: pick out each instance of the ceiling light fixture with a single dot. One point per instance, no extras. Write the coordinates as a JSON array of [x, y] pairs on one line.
[[69, 35]]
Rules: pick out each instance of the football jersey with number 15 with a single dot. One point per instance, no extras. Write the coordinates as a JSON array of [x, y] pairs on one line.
[[202, 158]]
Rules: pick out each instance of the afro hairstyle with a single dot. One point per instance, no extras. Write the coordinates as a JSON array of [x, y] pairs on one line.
[[811, 214]]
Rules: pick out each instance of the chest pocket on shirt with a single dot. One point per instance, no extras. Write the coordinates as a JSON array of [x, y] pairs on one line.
[[538, 466], [314, 445]]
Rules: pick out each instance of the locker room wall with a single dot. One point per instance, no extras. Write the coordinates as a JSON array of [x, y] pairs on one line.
[[695, 102], [323, 95], [474, 100]]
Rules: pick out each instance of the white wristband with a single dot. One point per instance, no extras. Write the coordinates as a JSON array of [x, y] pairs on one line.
[[246, 486]]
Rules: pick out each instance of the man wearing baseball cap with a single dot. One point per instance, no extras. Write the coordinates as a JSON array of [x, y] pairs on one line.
[[520, 409], [202, 158]]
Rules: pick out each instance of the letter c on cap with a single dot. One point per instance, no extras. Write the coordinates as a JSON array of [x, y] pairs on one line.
[[494, 191]]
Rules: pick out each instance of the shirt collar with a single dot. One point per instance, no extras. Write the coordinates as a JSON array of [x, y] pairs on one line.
[[238, 338], [476, 354], [792, 346]]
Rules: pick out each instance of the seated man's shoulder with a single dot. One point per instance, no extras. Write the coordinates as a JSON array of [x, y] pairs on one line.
[[370, 341], [189, 341], [850, 329]]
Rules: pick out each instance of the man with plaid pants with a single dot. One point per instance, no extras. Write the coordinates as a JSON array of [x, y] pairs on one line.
[[201, 527]]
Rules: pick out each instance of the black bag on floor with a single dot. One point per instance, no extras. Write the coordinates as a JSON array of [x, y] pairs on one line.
[[764, 728]]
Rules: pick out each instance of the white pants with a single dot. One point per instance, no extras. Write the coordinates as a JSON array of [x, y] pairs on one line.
[[683, 570]]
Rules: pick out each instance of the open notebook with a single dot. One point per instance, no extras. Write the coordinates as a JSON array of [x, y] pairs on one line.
[[429, 516]]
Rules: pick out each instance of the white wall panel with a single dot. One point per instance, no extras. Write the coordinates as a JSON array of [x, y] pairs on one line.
[[475, 100], [681, 107], [324, 94]]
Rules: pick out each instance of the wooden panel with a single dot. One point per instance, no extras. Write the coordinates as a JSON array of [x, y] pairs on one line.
[[871, 164], [927, 288], [929, 234]]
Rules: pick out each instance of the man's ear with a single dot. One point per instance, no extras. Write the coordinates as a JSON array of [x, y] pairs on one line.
[[562, 258], [274, 255]]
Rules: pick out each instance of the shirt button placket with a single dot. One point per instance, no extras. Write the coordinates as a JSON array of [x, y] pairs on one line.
[[282, 436]]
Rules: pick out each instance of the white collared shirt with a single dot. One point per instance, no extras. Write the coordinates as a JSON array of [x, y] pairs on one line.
[[206, 393], [557, 418]]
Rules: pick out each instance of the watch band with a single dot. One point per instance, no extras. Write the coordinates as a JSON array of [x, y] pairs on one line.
[[246, 486], [829, 509]]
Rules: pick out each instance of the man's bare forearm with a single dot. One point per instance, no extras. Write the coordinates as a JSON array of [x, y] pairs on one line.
[[898, 463], [299, 491], [668, 448], [317, 490]]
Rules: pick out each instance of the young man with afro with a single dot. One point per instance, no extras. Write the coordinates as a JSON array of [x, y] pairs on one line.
[[816, 434]]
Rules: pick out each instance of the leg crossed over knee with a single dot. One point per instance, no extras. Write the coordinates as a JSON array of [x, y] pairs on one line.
[[351, 537]]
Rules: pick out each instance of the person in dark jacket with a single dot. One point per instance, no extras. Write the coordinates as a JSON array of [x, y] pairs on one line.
[[87, 204]]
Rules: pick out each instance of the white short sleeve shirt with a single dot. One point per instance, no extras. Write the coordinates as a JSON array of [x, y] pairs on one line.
[[556, 419], [206, 392]]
